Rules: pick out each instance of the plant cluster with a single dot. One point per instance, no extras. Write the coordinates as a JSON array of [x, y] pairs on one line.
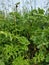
[[24, 39]]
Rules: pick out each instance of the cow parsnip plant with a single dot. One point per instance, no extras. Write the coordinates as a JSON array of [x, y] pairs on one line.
[[24, 39]]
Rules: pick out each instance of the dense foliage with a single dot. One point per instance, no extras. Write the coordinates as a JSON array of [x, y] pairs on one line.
[[24, 39]]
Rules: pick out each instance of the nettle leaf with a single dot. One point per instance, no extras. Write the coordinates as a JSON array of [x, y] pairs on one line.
[[24, 48], [38, 57], [6, 34], [8, 51], [23, 40], [20, 61]]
